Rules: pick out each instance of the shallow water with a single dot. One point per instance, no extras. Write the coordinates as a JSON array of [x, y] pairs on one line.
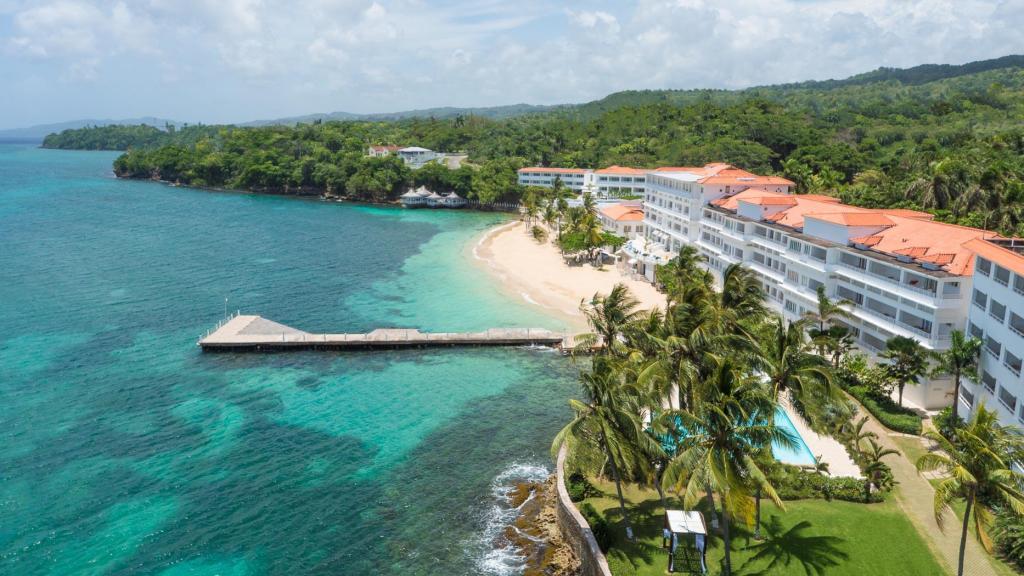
[[127, 451]]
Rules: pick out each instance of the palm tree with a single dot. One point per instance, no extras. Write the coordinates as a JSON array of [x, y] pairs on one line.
[[876, 472], [855, 433], [976, 461], [609, 316], [791, 370], [961, 359], [908, 361], [724, 433], [947, 180], [609, 419], [827, 313]]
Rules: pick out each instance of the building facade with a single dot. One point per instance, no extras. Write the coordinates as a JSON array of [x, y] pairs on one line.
[[381, 151], [902, 273], [625, 219], [620, 182], [997, 318], [575, 179]]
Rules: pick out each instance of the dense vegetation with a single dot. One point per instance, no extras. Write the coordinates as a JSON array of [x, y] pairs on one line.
[[119, 137], [942, 138]]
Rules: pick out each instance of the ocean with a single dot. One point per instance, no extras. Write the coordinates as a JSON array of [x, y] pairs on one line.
[[126, 450]]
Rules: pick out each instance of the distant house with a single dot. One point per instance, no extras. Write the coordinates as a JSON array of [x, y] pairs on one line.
[[381, 151], [416, 157], [625, 219]]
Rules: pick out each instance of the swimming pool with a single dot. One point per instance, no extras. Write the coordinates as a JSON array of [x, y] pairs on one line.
[[799, 455]]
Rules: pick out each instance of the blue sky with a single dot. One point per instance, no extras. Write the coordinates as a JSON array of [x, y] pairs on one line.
[[237, 60]]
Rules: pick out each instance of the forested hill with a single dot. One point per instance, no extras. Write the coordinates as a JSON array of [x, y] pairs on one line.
[[954, 145]]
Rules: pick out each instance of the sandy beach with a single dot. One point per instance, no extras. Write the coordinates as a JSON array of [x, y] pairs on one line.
[[535, 273]]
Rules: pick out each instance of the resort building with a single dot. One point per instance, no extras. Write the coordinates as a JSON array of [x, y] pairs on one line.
[[382, 151], [416, 157], [997, 318], [575, 179], [903, 273], [618, 182], [625, 219]]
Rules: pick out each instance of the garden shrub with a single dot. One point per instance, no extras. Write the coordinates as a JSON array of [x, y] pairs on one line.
[[797, 484], [944, 422], [1009, 537], [890, 414], [619, 564], [580, 488]]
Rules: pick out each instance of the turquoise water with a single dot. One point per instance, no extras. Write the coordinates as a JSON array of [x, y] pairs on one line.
[[800, 454], [125, 450]]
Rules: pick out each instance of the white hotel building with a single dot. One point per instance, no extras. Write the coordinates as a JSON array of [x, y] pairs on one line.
[[997, 318], [576, 179], [904, 274]]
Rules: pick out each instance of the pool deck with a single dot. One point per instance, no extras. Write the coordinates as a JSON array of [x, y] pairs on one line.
[[825, 448]]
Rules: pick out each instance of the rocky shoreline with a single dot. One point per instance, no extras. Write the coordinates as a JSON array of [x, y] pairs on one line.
[[535, 533]]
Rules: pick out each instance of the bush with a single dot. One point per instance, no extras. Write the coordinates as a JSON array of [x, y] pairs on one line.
[[1009, 537], [945, 424], [580, 488], [797, 484], [890, 414], [598, 525]]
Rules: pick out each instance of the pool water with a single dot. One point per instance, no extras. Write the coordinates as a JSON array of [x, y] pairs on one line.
[[799, 455]]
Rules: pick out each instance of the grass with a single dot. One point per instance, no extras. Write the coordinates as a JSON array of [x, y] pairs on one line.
[[812, 537]]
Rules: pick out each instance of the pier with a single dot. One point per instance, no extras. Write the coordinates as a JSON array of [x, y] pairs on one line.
[[242, 333]]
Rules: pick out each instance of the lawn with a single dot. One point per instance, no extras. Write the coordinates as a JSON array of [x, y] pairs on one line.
[[811, 537]]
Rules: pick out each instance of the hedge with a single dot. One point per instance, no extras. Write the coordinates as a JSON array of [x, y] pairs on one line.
[[890, 414], [805, 485]]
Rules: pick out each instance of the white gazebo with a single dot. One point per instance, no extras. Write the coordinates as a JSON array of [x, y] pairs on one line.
[[453, 200], [412, 200], [435, 200], [686, 538]]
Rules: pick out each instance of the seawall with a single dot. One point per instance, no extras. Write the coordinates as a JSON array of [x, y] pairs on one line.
[[575, 529]]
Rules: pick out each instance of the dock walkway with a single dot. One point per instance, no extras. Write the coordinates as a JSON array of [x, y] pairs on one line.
[[255, 333]]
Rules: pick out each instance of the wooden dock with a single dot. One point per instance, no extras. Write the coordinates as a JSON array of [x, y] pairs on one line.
[[254, 333]]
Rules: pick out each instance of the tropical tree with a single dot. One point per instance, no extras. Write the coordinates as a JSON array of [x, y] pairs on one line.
[[609, 418], [907, 361], [609, 316], [961, 359], [725, 432], [823, 318], [783, 356], [876, 472], [976, 461]]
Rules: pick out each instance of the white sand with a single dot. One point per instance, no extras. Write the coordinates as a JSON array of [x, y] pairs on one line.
[[536, 273]]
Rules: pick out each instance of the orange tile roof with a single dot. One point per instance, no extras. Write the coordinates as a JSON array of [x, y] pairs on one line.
[[905, 233], [623, 212], [821, 198], [555, 170], [1004, 257], [854, 218], [621, 170]]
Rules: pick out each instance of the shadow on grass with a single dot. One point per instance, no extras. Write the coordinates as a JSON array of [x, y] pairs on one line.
[[783, 548]]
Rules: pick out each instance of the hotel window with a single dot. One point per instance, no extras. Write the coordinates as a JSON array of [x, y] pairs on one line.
[[761, 231], [1018, 284], [1012, 362], [794, 246], [997, 310], [974, 331], [980, 299], [967, 396], [988, 381], [984, 266], [1007, 399], [818, 253], [853, 261], [993, 346], [1002, 275], [813, 284], [792, 276]]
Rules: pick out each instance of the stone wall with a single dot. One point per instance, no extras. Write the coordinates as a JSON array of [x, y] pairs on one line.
[[575, 529]]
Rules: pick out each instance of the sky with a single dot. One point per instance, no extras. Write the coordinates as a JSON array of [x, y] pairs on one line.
[[218, 61]]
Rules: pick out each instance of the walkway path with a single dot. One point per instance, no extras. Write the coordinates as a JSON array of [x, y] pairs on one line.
[[915, 495]]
